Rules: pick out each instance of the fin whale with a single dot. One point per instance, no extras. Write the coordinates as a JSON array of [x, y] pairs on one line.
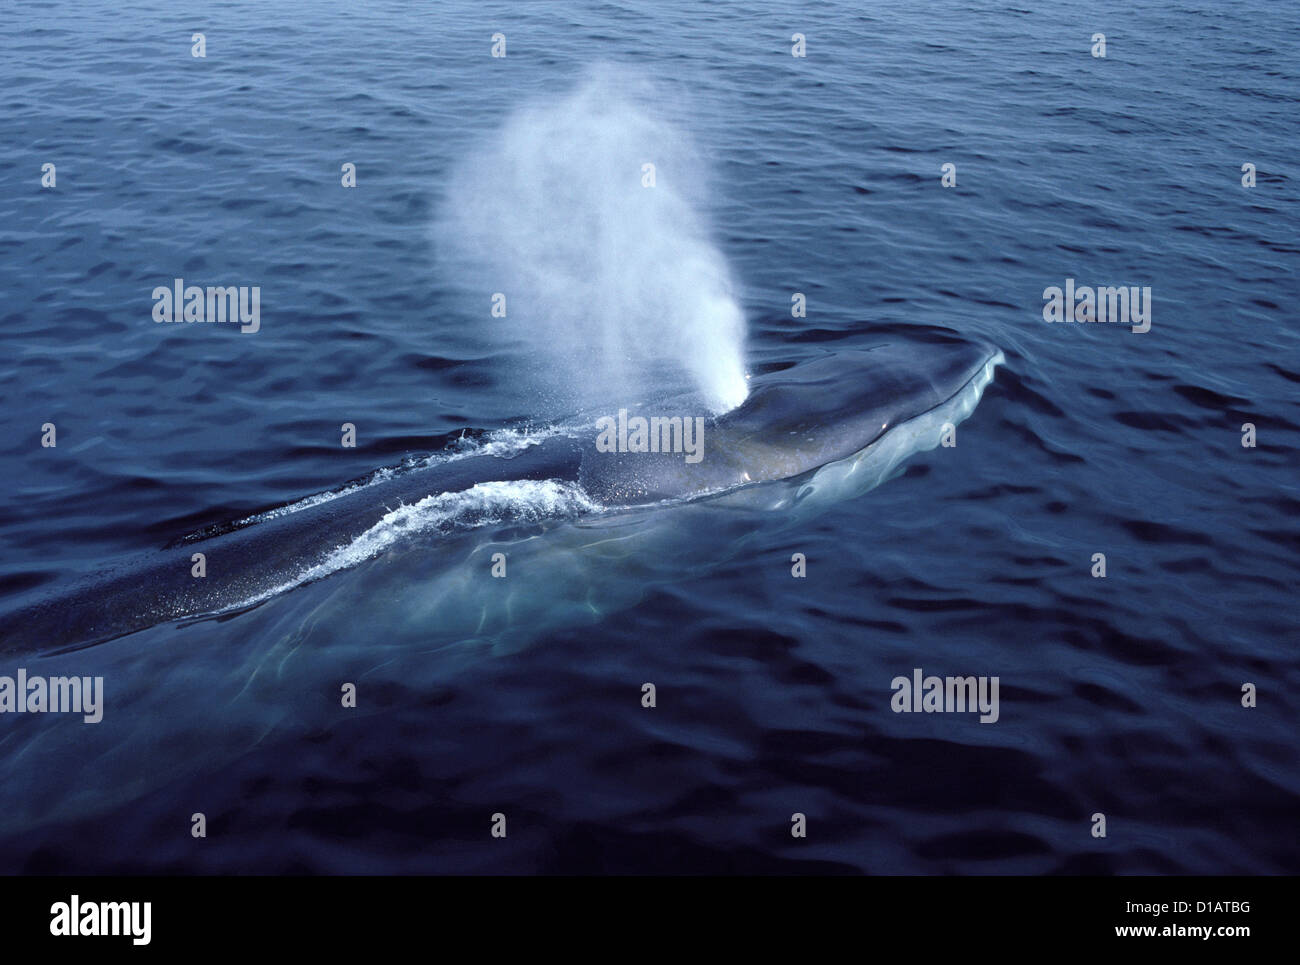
[[793, 423]]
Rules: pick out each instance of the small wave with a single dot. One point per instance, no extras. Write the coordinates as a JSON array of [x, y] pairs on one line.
[[503, 443], [379, 475]]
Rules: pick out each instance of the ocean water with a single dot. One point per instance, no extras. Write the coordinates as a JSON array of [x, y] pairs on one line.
[[821, 175]]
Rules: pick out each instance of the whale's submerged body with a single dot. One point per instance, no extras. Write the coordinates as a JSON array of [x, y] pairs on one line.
[[853, 414]]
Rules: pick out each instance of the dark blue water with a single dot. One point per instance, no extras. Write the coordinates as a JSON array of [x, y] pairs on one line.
[[1119, 695]]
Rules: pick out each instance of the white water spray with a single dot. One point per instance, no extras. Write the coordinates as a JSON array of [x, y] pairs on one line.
[[613, 292]]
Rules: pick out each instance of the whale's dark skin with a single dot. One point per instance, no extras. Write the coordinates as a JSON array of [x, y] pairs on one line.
[[792, 422]]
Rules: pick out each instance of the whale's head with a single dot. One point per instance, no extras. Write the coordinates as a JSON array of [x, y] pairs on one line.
[[830, 408], [801, 418]]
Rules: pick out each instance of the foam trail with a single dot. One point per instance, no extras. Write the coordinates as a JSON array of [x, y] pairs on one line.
[[484, 504], [614, 292]]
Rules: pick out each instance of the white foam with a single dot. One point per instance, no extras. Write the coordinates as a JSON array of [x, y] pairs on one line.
[[484, 504], [501, 442]]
